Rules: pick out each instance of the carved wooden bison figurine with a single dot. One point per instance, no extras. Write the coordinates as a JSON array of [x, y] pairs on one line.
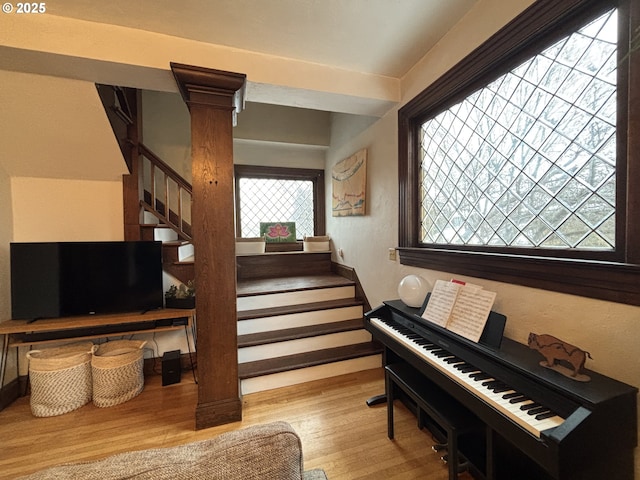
[[553, 349]]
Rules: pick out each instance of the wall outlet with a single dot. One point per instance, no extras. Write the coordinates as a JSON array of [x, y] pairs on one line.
[[340, 253], [392, 254]]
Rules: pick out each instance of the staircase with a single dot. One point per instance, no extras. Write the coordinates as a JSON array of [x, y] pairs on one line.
[[297, 319], [304, 325], [177, 255]]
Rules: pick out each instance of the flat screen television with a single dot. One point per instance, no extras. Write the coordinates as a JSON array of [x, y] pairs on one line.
[[63, 279]]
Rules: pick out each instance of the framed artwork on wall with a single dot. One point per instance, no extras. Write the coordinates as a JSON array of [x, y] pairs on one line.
[[349, 182]]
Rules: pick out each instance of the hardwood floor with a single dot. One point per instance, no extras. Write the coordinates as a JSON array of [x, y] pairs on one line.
[[339, 432]]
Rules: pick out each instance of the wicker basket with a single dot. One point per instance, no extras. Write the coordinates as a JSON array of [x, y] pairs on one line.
[[60, 378], [118, 375]]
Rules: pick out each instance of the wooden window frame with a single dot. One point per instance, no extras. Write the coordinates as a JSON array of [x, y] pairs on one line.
[[285, 173], [614, 276]]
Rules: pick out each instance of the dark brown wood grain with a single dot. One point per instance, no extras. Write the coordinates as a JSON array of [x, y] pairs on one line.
[[210, 97]]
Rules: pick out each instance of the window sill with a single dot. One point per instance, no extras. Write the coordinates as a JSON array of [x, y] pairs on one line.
[[615, 282]]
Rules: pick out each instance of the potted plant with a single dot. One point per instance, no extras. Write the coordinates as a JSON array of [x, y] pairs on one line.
[[181, 296]]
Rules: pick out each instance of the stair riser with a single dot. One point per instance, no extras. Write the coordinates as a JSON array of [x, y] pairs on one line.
[[149, 218], [302, 345], [164, 235], [302, 375], [294, 320], [294, 298], [185, 252]]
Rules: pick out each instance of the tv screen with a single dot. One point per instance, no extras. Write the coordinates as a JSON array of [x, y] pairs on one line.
[[62, 279]]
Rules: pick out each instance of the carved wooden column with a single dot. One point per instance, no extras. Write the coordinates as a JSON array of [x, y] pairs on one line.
[[211, 96]]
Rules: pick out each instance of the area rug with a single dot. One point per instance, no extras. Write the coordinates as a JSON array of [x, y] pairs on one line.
[[315, 474]]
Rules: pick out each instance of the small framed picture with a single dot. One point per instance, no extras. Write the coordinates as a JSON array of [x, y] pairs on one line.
[[278, 232]]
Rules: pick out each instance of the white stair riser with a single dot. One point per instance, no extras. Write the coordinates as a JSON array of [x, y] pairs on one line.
[[293, 320], [149, 218], [302, 375], [164, 235], [294, 298], [185, 252], [302, 345]]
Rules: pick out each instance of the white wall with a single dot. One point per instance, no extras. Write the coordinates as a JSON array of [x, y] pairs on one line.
[[278, 155], [365, 240], [53, 210], [289, 125], [609, 331], [166, 129]]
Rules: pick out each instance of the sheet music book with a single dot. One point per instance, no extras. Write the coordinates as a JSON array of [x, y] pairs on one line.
[[460, 307]]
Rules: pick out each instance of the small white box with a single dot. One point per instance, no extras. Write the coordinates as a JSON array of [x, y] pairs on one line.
[[250, 245], [316, 244]]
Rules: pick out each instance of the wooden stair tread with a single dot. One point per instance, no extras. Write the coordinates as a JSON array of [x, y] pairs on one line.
[[307, 359], [299, 308], [263, 338], [265, 286]]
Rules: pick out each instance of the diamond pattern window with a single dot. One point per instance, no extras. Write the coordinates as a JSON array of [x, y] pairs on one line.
[[521, 163], [277, 194], [529, 160], [276, 200]]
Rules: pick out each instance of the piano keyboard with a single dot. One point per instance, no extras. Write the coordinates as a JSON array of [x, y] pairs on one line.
[[521, 410]]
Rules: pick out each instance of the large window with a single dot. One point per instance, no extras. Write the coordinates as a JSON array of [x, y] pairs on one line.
[[270, 194], [517, 165]]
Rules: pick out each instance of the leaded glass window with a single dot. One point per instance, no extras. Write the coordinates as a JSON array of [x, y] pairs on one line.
[[529, 160], [279, 194], [276, 200], [521, 163]]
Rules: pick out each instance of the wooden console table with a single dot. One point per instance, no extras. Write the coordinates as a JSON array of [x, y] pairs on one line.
[[19, 333]]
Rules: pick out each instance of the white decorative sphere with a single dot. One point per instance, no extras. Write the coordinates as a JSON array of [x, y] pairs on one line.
[[412, 290]]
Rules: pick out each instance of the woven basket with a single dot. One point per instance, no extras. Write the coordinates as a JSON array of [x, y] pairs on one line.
[[117, 369], [60, 378]]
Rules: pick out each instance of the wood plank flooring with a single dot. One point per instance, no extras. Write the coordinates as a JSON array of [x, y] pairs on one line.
[[339, 432]]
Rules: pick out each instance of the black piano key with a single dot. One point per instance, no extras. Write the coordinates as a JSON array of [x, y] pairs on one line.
[[542, 416], [468, 369], [529, 406], [452, 360], [465, 367], [538, 410], [513, 395], [499, 388], [490, 383], [479, 376], [502, 388], [442, 353], [519, 399]]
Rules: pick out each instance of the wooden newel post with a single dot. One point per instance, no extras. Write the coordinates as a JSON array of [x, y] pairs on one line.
[[212, 97]]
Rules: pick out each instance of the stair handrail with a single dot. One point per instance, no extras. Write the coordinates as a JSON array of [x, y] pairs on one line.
[[161, 207]]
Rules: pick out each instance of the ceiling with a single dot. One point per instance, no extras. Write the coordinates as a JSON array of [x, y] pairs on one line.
[[384, 37]]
